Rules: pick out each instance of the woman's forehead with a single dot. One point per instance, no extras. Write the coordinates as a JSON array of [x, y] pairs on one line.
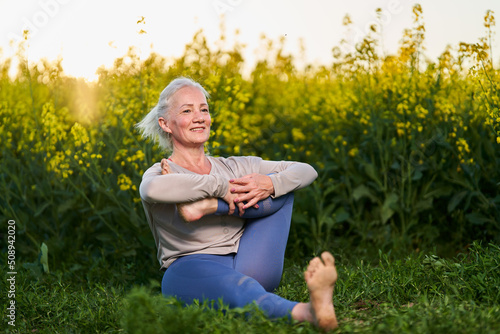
[[189, 94], [189, 90]]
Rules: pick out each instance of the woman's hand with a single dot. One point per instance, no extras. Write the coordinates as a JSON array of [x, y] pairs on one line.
[[230, 200], [165, 168], [251, 189]]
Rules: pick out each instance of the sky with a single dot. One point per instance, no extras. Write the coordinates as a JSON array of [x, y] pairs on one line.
[[91, 33]]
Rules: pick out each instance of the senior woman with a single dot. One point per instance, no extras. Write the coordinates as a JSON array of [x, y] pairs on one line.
[[221, 224]]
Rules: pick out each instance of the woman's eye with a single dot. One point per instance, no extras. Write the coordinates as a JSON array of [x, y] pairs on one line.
[[186, 111], [205, 110]]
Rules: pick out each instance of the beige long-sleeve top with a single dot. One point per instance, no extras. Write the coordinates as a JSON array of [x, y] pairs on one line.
[[212, 234]]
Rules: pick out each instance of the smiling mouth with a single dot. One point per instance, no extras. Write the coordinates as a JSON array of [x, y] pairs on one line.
[[197, 129]]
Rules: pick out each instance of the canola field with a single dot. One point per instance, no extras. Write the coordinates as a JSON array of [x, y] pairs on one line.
[[407, 149]]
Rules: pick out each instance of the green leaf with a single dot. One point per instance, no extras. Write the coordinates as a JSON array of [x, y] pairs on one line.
[[69, 204], [440, 192], [363, 191], [417, 175], [388, 207], [331, 189], [341, 215], [329, 222], [328, 210], [477, 219], [130, 252], [44, 257], [372, 173], [41, 208], [396, 165], [423, 205], [456, 199]]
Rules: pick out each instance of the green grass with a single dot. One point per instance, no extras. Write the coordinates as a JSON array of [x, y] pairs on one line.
[[417, 293]]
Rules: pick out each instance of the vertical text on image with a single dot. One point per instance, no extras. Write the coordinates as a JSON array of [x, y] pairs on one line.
[[11, 273]]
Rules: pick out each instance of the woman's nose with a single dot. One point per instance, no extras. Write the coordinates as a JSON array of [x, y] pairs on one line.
[[198, 117]]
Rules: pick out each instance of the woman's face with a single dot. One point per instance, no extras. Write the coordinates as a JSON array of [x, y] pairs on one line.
[[189, 118]]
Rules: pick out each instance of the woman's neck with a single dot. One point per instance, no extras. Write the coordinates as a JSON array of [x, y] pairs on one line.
[[194, 160]]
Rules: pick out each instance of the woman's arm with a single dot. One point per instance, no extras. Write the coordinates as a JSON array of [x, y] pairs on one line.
[[284, 177], [178, 188], [288, 176]]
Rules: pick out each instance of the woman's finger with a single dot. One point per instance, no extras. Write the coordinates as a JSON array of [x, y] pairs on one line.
[[243, 180], [241, 208], [240, 189], [231, 208], [251, 203], [250, 198]]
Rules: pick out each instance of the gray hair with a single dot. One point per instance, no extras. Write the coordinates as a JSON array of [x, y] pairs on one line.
[[149, 126]]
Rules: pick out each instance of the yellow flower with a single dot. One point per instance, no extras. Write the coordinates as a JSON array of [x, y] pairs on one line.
[[421, 111], [297, 134], [125, 183], [139, 155], [80, 134]]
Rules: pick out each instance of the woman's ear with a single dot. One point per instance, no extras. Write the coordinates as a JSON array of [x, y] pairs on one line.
[[164, 124]]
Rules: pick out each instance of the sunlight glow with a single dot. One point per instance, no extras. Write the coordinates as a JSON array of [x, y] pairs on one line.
[[90, 34]]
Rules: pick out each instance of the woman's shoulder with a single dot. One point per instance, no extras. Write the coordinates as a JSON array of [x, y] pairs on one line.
[[152, 170], [154, 167]]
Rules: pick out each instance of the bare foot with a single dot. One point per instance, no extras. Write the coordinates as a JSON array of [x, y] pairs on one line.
[[192, 211], [320, 277]]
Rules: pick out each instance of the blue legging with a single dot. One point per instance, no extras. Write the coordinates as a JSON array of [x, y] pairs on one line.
[[247, 276]]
